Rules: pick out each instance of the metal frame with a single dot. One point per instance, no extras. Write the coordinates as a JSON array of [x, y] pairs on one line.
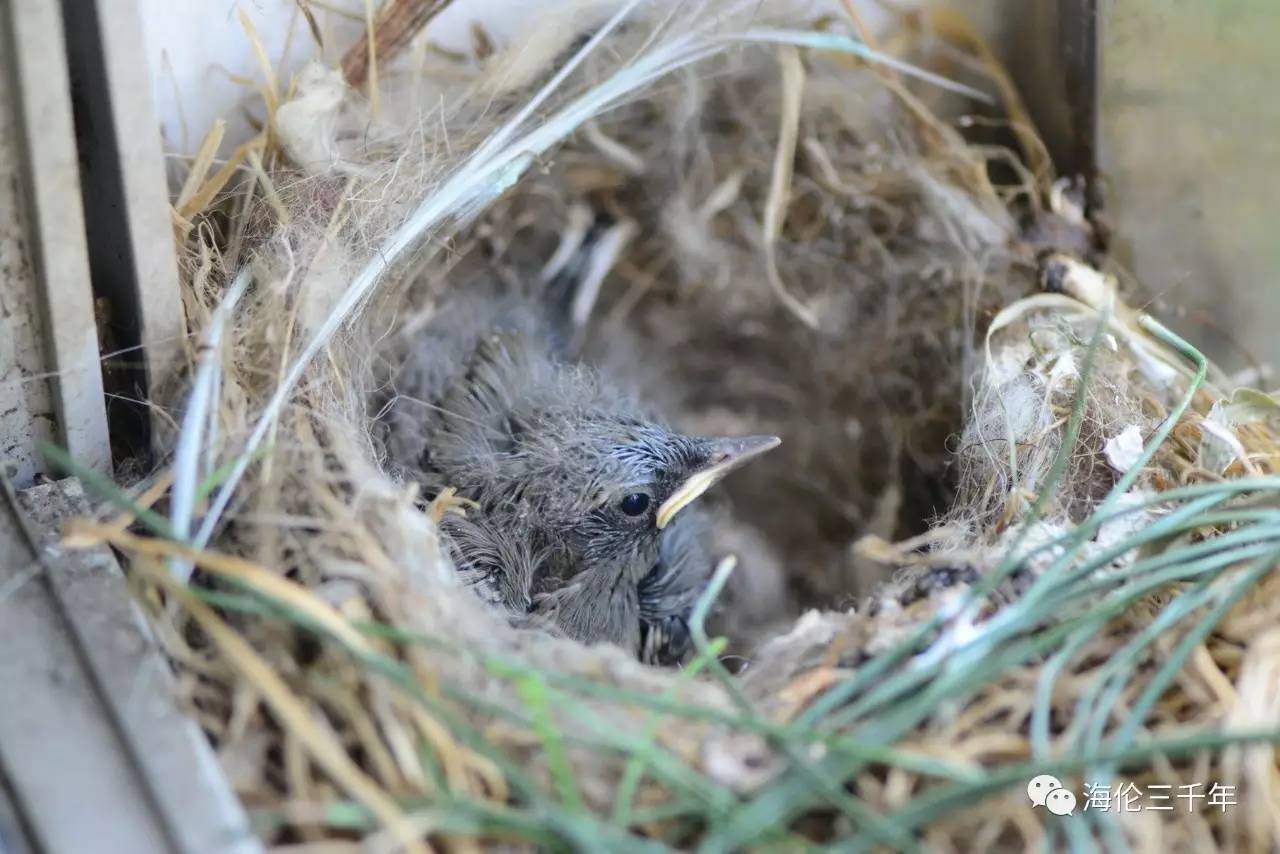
[[131, 248], [49, 216], [94, 753], [1051, 49]]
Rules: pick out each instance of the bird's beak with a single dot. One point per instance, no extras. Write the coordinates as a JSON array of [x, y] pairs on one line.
[[726, 455]]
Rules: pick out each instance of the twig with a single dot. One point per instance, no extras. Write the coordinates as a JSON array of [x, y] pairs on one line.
[[388, 33]]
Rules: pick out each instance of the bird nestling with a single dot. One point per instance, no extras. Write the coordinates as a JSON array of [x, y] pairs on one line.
[[581, 518]]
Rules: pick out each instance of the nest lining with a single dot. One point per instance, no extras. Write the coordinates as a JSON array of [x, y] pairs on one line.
[[353, 689]]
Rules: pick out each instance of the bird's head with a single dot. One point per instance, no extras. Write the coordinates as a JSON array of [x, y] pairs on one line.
[[608, 499], [623, 483]]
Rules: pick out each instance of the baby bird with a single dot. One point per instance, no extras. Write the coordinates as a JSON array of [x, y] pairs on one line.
[[580, 515]]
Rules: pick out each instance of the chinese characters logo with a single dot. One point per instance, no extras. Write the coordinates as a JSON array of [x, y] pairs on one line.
[[1047, 791]]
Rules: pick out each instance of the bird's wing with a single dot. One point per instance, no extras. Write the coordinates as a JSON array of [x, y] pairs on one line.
[[497, 564]]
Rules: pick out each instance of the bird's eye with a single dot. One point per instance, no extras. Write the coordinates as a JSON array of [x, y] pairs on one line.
[[634, 504]]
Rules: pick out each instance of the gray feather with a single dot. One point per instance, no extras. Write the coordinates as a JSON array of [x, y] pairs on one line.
[[487, 401]]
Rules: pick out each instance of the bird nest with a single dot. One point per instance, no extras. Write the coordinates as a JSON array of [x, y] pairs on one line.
[[1015, 528]]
